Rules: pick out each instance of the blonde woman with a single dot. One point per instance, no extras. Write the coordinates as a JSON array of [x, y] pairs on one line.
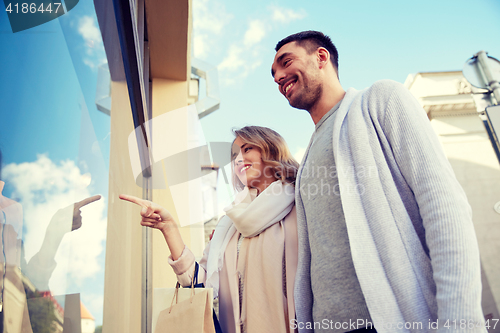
[[252, 258]]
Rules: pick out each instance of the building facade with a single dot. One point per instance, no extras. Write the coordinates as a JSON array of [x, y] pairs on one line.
[[449, 101]]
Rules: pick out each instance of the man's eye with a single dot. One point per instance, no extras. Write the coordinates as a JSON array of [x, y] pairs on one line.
[[286, 62]]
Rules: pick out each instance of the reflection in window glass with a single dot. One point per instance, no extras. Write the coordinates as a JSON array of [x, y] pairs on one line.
[[54, 145]]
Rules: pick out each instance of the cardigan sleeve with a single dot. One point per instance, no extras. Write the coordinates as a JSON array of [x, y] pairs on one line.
[[442, 203], [184, 266]]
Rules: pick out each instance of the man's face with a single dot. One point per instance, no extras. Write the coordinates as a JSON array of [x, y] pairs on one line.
[[298, 76]]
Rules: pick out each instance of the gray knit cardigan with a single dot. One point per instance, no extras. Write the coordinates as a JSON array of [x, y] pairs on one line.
[[409, 224]]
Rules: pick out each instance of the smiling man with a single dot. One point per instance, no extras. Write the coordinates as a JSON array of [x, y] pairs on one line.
[[386, 239]]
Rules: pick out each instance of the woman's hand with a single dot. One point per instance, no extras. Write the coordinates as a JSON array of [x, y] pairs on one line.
[[153, 215], [64, 220]]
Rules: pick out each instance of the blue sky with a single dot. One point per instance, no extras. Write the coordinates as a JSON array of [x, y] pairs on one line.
[[376, 40], [48, 79]]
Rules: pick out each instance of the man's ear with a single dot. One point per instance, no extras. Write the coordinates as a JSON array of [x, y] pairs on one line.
[[323, 56]]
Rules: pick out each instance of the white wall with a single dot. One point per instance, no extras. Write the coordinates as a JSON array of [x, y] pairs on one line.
[[469, 150]]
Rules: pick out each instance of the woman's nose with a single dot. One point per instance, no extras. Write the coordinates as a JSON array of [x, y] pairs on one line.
[[238, 159]]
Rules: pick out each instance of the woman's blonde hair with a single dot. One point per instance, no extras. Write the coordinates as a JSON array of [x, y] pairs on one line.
[[274, 151]]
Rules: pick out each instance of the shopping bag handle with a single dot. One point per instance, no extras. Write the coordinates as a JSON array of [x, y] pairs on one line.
[[178, 285]]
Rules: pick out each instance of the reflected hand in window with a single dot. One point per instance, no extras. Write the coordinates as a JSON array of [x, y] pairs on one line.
[[67, 219], [60, 222]]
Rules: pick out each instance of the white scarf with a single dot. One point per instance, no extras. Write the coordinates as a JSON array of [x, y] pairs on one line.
[[249, 214]]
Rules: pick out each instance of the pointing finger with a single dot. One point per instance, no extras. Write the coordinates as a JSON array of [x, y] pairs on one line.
[[86, 201], [131, 198]]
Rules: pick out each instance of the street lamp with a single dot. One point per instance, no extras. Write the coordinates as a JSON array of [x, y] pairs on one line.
[[483, 71]]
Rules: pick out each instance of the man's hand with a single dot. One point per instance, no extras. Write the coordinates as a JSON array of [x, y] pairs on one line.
[[153, 215]]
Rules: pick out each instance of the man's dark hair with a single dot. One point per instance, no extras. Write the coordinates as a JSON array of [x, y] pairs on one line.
[[311, 40]]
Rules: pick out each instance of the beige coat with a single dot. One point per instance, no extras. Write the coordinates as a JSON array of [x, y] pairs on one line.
[[229, 309]]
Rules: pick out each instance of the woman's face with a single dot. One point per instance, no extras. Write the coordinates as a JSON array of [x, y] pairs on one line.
[[249, 167]]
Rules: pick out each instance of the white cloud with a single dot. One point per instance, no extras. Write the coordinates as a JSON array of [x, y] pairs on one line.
[[209, 21], [210, 18], [94, 48], [245, 54], [285, 15], [90, 63], [200, 46], [238, 64], [94, 303], [88, 30], [43, 187], [233, 61], [243, 57], [255, 33], [240, 46]]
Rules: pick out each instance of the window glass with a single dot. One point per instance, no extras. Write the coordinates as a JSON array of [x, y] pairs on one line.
[[54, 143]]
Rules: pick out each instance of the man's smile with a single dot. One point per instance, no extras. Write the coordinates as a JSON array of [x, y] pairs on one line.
[[286, 86]]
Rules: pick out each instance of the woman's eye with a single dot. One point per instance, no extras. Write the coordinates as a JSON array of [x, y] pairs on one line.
[[247, 149]]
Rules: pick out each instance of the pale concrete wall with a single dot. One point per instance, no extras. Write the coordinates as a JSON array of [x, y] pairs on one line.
[[122, 292], [122, 282], [476, 166], [447, 99], [170, 95], [169, 32], [434, 84]]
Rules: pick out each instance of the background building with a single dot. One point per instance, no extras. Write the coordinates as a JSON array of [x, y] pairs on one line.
[[88, 321], [447, 98], [149, 58]]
